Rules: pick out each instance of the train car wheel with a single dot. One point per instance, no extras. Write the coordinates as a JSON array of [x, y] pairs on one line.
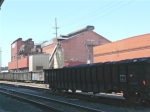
[[66, 90], [53, 89], [73, 91], [94, 93], [137, 98], [132, 97], [147, 103], [58, 90]]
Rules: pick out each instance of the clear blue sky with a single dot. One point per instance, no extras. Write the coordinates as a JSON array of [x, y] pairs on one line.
[[113, 19]]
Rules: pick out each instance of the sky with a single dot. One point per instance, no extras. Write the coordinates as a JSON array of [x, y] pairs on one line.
[[112, 19]]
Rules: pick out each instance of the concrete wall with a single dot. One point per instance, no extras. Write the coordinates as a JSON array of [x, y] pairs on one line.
[[134, 47]]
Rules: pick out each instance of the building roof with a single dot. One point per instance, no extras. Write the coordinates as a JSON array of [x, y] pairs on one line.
[[1, 2], [87, 28], [17, 40]]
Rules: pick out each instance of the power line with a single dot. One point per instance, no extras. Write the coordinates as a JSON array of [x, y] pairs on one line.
[[72, 13], [93, 13], [107, 14], [78, 9]]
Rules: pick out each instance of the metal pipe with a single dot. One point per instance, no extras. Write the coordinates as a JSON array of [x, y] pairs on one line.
[[88, 57]]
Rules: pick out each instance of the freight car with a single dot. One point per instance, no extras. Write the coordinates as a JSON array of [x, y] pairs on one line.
[[131, 77], [23, 76]]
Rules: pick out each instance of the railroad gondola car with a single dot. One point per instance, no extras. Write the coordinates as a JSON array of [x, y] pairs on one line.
[[23, 76], [131, 77]]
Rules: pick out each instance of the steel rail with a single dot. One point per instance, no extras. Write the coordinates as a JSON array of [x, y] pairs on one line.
[[33, 102], [57, 101]]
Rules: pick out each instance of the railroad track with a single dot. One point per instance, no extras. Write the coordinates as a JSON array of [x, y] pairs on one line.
[[81, 96], [86, 97], [47, 103]]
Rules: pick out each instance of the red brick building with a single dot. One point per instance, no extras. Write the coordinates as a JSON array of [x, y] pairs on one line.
[[77, 46], [72, 49], [133, 47], [20, 51]]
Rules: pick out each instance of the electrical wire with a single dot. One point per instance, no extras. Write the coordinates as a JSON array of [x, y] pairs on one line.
[[69, 14], [106, 14]]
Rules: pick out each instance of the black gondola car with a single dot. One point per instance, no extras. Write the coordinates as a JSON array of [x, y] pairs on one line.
[[131, 77]]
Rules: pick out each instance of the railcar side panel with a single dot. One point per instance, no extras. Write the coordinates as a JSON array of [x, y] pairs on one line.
[[83, 79], [61, 78], [74, 79], [132, 78], [142, 77], [88, 80], [107, 78], [94, 78], [123, 77], [58, 78], [100, 74], [78, 77], [46, 77], [69, 79], [147, 78], [115, 75], [66, 79]]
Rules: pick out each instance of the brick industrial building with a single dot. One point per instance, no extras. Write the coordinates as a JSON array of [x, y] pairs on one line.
[[20, 51], [133, 47], [75, 47]]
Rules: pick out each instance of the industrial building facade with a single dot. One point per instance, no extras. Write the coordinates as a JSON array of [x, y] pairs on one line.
[[76, 47], [133, 47], [65, 50], [20, 52]]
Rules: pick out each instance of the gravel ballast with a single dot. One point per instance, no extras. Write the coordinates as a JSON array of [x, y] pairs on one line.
[[103, 107], [8, 104]]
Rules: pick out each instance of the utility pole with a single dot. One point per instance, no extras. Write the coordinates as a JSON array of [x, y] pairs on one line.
[[56, 42], [0, 60], [56, 28], [16, 57]]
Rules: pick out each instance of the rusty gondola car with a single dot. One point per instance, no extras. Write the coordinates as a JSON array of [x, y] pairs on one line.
[[131, 77]]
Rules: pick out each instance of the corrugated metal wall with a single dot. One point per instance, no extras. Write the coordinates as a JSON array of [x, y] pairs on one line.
[[40, 60], [59, 59]]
